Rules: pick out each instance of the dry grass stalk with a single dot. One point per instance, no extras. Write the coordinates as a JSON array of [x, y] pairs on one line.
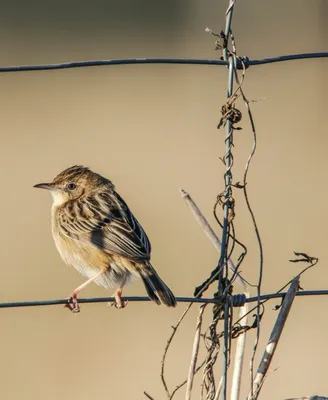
[[219, 390], [209, 231], [273, 340], [194, 355], [239, 355]]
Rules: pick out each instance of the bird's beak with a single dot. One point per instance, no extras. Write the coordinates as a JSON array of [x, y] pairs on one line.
[[48, 186]]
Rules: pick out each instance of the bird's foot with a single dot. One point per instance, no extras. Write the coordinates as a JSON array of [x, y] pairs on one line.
[[119, 305], [118, 300], [72, 303]]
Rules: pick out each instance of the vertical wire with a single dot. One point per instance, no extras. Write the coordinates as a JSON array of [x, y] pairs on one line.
[[226, 348], [224, 246], [228, 178]]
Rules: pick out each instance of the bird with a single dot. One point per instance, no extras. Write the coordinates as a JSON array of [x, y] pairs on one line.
[[96, 233]]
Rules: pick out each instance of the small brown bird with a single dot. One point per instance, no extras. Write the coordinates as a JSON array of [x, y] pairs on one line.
[[96, 233]]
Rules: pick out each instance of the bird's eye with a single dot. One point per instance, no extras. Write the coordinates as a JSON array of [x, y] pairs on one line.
[[71, 186]]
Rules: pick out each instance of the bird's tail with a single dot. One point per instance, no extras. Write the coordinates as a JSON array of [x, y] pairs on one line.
[[155, 287]]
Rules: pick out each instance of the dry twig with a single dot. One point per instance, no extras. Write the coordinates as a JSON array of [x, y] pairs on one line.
[[175, 327], [148, 396]]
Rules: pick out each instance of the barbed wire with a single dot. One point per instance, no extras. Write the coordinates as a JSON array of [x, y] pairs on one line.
[[236, 299], [126, 61]]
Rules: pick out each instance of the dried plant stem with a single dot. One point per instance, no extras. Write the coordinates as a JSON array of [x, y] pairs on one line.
[[185, 381], [249, 207], [194, 355], [273, 340], [175, 327], [219, 389], [239, 355], [148, 396], [208, 231]]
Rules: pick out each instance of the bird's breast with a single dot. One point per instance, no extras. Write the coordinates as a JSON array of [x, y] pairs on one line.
[[80, 254]]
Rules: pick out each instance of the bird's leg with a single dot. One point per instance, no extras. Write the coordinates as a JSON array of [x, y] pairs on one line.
[[118, 293], [119, 303], [73, 304]]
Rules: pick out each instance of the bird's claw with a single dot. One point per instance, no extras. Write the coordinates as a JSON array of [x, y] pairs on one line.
[[72, 304], [119, 304]]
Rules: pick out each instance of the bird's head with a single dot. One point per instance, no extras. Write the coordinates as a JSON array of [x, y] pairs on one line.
[[74, 182]]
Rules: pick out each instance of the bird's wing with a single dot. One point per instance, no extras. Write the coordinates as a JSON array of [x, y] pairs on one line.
[[106, 222]]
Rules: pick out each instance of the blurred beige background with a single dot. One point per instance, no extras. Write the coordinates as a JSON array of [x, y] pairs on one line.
[[152, 129]]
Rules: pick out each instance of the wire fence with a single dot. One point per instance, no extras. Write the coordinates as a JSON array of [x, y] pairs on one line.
[[242, 62], [223, 300]]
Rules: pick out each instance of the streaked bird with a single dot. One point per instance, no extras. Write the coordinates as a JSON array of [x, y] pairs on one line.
[[96, 233]]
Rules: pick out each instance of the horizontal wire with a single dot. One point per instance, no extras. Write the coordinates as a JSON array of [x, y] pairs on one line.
[[93, 63], [144, 298], [98, 300], [289, 57], [282, 294]]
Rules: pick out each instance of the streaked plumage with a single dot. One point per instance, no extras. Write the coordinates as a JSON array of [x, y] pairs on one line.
[[96, 233]]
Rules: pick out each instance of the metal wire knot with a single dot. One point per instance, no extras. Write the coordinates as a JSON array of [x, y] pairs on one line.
[[238, 300]]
